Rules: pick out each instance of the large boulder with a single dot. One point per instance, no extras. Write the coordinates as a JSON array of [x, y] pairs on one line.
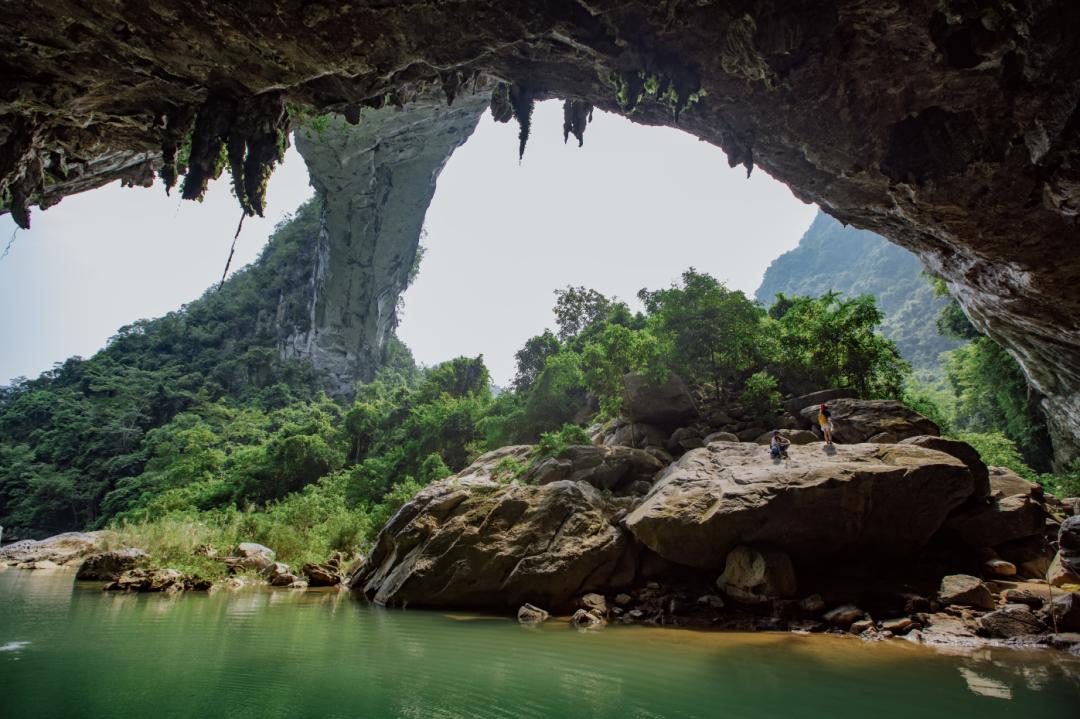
[[59, 549], [795, 436], [108, 566], [1012, 620], [668, 404], [967, 590], [962, 451], [859, 499], [1006, 483], [473, 541], [1001, 521], [250, 556], [859, 420], [637, 434], [610, 468], [756, 575], [795, 405]]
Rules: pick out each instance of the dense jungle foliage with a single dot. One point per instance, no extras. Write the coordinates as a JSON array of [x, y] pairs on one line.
[[190, 429]]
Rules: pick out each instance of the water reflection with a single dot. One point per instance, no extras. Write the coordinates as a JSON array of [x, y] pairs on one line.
[[275, 653]]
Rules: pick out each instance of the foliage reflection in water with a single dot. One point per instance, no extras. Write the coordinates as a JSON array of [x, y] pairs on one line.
[[80, 652]]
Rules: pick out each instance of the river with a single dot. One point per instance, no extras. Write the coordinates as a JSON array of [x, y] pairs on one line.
[[71, 650]]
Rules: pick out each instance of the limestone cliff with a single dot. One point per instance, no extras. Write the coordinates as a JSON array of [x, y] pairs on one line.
[[376, 180]]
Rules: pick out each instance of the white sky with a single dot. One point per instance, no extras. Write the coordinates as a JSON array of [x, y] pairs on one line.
[[633, 208]]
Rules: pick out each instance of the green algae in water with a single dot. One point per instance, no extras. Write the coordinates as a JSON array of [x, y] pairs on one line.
[[76, 651]]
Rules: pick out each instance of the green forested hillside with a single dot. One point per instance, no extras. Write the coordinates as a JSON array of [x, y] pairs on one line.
[[854, 262]]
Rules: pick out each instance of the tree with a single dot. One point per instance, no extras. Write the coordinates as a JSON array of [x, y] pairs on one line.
[[712, 334], [532, 358], [576, 308]]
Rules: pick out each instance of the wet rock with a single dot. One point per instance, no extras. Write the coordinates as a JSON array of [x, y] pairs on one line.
[[322, 575], [857, 420], [668, 404], [843, 616], [39, 564], [1003, 520], [528, 614], [470, 540], [962, 451], [770, 624], [297, 584], [1012, 620], [966, 590], [861, 625], [108, 566], [720, 437], [812, 604], [278, 575], [584, 619], [899, 626], [756, 575], [157, 580], [881, 500]]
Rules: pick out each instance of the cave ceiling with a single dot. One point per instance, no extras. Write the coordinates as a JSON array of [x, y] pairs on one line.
[[950, 127]]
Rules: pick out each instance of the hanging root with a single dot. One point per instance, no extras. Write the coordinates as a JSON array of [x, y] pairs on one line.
[[232, 250]]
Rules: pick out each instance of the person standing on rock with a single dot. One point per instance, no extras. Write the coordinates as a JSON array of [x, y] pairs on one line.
[[824, 419]]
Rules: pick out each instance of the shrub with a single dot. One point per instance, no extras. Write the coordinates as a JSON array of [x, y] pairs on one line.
[[760, 396]]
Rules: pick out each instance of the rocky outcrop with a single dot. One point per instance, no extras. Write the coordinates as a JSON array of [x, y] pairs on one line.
[[756, 575], [376, 180], [473, 541], [962, 451], [157, 580], [108, 566], [617, 469], [870, 420], [887, 499], [59, 549], [668, 404]]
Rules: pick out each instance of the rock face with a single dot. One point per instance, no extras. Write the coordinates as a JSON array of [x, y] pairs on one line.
[[666, 404], [962, 451], [376, 181], [615, 469], [756, 575], [60, 549], [108, 566], [861, 420], [472, 541], [1004, 520], [948, 129], [886, 499]]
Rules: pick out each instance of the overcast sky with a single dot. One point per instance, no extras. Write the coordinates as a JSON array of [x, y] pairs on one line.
[[632, 208]]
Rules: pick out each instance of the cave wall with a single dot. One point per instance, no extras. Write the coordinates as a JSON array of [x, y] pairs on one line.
[[952, 127], [376, 180]]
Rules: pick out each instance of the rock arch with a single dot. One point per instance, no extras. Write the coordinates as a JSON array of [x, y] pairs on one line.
[[951, 127]]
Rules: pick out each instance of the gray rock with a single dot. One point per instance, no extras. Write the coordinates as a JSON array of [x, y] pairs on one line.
[[639, 435], [108, 566], [720, 437], [795, 436], [750, 435], [1012, 620], [322, 575], [843, 616], [528, 614], [878, 500], [584, 619], [967, 590], [595, 603], [1002, 520], [59, 549], [795, 405], [668, 404], [962, 451], [857, 420], [711, 600], [1065, 611], [1069, 544], [756, 575], [610, 468]]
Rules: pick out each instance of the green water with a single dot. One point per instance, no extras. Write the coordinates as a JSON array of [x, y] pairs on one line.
[[78, 652]]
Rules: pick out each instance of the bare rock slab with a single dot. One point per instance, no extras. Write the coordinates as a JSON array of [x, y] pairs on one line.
[[882, 499]]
